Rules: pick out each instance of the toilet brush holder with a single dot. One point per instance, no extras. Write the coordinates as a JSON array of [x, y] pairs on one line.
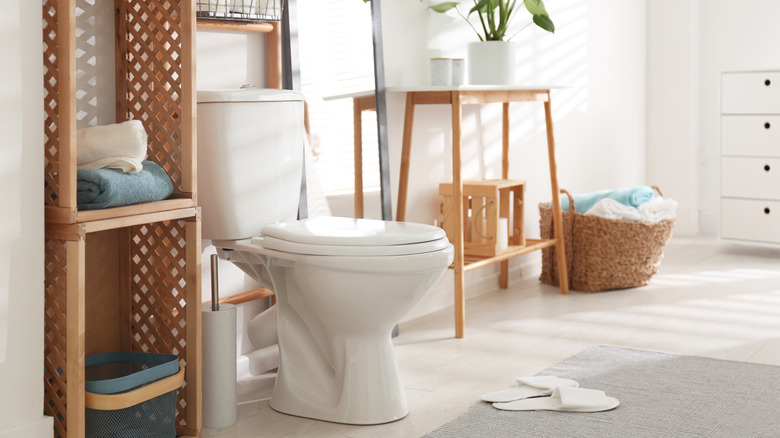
[[219, 366], [219, 359]]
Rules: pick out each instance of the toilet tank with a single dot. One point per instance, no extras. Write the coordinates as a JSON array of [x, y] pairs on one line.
[[250, 160]]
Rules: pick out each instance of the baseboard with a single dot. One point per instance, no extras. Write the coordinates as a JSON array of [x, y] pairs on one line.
[[708, 222], [478, 282], [41, 428], [687, 223]]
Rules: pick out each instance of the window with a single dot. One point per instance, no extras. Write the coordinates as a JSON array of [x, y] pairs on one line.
[[336, 50]]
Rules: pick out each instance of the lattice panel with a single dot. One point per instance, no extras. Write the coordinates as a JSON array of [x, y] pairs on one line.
[[92, 108], [158, 300], [55, 329], [51, 97], [153, 53]]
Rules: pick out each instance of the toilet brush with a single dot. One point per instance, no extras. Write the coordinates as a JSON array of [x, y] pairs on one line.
[[219, 358]]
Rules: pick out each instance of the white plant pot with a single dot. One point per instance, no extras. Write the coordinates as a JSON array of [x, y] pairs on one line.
[[491, 63]]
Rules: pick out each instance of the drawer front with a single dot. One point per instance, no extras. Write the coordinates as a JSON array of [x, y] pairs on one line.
[[753, 136], [751, 178], [750, 93], [750, 220]]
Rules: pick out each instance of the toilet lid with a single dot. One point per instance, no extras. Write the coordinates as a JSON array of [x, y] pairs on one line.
[[353, 237]]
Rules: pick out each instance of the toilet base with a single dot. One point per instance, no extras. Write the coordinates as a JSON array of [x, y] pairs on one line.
[[367, 391], [339, 422]]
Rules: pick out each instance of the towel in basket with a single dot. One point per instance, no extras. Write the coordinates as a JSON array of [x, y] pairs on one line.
[[604, 254]]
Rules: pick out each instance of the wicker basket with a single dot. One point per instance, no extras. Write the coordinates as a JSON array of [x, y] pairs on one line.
[[604, 254]]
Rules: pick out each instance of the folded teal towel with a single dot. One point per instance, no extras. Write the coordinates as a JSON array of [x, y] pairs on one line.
[[633, 196], [107, 188]]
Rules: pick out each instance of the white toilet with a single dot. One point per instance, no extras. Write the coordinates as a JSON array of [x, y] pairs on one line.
[[341, 284]]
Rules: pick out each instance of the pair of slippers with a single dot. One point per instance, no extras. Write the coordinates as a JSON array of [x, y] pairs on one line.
[[550, 393]]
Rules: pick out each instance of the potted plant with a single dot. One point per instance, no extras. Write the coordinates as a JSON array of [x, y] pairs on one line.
[[491, 59]]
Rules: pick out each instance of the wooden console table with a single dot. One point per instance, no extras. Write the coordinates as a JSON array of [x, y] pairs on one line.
[[465, 95]]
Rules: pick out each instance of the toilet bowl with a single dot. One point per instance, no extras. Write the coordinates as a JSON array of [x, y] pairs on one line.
[[341, 284]]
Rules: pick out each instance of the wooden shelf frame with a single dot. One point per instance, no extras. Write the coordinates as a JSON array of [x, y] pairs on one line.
[[127, 278], [456, 98]]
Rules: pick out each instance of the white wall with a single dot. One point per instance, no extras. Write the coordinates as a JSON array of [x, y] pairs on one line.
[[672, 105], [687, 52], [730, 40], [21, 372], [230, 59], [597, 52]]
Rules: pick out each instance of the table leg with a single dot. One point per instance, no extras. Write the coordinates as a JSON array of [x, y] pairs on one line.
[[505, 141], [403, 178], [457, 197], [357, 113], [556, 200], [503, 281]]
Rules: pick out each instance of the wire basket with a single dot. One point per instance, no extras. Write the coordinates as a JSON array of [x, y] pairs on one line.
[[131, 395], [240, 10]]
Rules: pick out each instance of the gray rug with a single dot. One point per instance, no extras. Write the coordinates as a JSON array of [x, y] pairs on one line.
[[661, 395]]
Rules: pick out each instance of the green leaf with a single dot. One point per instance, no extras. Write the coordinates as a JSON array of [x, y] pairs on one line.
[[536, 7], [444, 7], [480, 7], [544, 22]]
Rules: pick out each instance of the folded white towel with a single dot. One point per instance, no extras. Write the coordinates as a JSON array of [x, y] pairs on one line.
[[658, 209], [120, 146], [611, 209]]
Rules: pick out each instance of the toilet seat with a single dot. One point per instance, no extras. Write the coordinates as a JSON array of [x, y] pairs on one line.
[[355, 250], [336, 236]]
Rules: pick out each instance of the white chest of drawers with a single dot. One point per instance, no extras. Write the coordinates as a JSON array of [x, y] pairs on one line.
[[750, 156]]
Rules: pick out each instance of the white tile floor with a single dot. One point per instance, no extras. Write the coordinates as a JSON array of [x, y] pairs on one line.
[[713, 299]]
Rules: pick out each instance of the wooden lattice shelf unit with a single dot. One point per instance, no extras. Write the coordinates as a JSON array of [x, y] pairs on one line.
[[127, 278]]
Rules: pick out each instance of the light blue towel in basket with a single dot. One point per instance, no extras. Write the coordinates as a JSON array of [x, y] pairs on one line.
[[633, 196], [107, 188]]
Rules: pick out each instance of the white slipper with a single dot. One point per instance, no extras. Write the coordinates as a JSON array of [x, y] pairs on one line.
[[566, 400], [529, 387]]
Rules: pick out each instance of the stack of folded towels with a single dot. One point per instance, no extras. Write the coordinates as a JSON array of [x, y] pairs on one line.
[[639, 204], [111, 168]]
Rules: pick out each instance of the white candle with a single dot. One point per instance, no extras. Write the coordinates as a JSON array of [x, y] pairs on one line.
[[502, 237]]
